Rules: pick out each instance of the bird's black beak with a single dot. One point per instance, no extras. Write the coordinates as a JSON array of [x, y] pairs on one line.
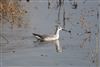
[[64, 30], [69, 31]]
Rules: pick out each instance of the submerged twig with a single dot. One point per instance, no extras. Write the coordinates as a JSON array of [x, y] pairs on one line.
[[64, 18], [2, 36], [97, 14], [48, 4]]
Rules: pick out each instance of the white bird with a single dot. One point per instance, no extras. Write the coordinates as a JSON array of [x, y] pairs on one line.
[[49, 37]]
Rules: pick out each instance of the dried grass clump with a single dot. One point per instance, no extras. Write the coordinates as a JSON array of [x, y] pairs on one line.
[[12, 12]]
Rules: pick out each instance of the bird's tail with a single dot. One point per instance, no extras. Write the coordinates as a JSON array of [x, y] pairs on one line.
[[37, 36]]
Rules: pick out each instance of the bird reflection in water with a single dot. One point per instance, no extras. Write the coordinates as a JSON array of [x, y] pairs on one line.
[[58, 46], [54, 42]]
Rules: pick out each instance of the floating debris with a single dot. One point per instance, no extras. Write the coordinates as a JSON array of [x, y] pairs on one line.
[[84, 1], [27, 0], [77, 23], [44, 55], [48, 4], [60, 3], [13, 51], [68, 18], [98, 14], [69, 31], [93, 61], [74, 5]]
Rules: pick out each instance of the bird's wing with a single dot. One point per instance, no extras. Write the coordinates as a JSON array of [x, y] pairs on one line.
[[40, 36], [37, 35]]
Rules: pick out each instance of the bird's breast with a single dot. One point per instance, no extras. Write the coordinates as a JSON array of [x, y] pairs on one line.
[[51, 38]]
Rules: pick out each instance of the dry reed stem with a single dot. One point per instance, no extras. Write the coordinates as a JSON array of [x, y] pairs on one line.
[[12, 12]]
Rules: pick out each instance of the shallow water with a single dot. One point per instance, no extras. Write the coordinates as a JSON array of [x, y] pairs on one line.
[[74, 48]]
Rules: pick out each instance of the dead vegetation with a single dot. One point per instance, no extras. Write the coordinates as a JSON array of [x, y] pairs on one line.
[[87, 28], [11, 12]]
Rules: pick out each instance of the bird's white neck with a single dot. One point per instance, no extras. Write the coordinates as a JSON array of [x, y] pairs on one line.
[[57, 33]]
